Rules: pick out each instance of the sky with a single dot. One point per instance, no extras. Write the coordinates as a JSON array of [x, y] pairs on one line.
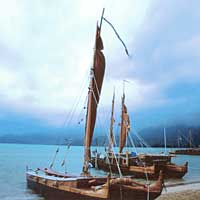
[[46, 50]]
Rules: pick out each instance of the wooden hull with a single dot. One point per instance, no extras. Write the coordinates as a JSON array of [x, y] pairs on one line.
[[137, 172], [192, 152], [69, 190], [174, 171], [169, 170], [54, 193]]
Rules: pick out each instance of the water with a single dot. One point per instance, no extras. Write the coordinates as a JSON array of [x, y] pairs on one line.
[[15, 157]]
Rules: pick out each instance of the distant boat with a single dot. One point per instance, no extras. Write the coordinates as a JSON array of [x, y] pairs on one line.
[[187, 151], [191, 150], [141, 165], [57, 186]]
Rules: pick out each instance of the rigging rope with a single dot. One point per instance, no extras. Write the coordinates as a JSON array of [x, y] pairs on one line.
[[96, 87], [106, 134], [148, 192], [69, 117], [187, 140], [82, 111], [64, 160], [54, 158], [144, 165], [75, 105], [116, 160], [141, 141], [118, 166], [107, 155], [132, 143]]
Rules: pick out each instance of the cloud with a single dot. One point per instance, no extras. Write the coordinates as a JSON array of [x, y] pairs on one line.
[[165, 61], [165, 44], [166, 49], [46, 52]]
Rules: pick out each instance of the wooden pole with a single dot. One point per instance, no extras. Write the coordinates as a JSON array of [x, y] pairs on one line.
[[101, 19]]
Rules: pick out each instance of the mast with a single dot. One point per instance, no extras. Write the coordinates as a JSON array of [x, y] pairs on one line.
[[111, 136], [96, 81], [179, 141], [190, 138], [165, 141], [125, 124]]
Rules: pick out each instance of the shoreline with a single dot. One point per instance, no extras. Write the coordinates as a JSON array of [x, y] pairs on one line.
[[181, 191]]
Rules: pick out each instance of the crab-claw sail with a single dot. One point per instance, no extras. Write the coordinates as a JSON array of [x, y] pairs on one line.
[[97, 74], [125, 125], [112, 120]]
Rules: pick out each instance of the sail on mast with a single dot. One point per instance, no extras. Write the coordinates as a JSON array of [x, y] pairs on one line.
[[97, 74], [125, 125], [111, 136]]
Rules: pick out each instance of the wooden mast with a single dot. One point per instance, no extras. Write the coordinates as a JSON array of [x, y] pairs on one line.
[[165, 141], [96, 80], [190, 138], [111, 136]]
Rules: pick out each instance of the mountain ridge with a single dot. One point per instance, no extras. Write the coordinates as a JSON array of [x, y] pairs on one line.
[[176, 136]]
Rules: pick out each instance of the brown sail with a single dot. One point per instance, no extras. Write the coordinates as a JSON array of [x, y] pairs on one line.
[[111, 135], [125, 125], [97, 74]]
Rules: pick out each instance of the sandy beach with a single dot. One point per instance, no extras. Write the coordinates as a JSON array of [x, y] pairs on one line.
[[190, 191], [185, 195]]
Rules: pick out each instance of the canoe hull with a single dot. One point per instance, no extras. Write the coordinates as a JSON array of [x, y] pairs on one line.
[[116, 191], [55, 194], [169, 170]]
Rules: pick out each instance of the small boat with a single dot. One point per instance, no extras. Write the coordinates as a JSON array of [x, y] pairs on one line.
[[191, 150], [57, 186], [141, 165], [187, 151]]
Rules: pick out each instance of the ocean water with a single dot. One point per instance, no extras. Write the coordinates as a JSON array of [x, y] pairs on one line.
[[15, 157]]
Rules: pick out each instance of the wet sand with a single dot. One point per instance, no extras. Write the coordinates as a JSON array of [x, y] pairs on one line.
[[181, 192], [185, 195]]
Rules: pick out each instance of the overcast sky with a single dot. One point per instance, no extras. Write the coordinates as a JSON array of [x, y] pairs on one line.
[[46, 50]]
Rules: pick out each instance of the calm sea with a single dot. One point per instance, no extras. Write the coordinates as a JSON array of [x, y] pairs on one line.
[[15, 157]]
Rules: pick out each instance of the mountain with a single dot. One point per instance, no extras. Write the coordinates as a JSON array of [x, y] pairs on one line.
[[176, 136], [41, 138], [154, 136]]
